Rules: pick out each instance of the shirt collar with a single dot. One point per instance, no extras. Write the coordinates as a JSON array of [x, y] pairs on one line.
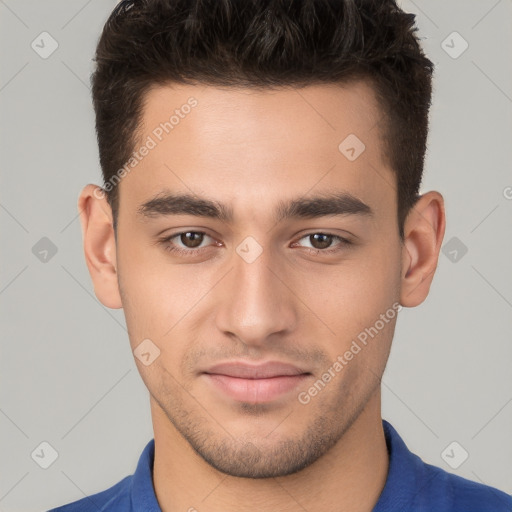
[[142, 491], [404, 474]]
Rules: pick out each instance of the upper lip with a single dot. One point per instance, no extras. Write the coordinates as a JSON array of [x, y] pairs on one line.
[[244, 370]]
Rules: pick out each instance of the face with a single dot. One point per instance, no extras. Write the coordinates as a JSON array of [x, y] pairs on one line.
[[272, 298]]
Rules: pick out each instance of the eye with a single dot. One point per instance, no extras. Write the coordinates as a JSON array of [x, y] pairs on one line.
[[322, 242], [190, 242]]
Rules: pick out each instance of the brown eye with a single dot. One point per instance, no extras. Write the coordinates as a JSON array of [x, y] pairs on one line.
[[185, 243], [322, 243], [191, 239], [320, 240]]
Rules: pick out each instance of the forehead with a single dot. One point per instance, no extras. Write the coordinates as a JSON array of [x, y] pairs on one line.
[[252, 148], [312, 114]]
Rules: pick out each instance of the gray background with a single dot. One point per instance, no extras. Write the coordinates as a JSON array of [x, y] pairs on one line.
[[68, 376]]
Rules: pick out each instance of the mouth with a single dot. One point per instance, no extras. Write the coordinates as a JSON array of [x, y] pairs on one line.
[[255, 383]]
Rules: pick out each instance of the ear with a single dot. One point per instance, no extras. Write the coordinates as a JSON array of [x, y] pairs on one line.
[[423, 234], [99, 244]]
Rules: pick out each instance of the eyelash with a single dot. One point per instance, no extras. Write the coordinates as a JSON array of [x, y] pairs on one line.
[[193, 252]]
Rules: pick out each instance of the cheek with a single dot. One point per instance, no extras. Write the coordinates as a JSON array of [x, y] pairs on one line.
[[154, 286], [159, 299], [350, 298], [354, 292]]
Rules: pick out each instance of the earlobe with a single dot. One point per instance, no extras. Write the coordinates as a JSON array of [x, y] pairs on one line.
[[424, 232], [99, 244]]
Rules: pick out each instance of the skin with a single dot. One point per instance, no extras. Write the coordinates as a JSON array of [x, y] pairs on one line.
[[251, 150]]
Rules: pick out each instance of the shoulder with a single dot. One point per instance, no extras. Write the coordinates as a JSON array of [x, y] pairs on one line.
[[134, 492], [449, 493], [115, 498], [413, 484]]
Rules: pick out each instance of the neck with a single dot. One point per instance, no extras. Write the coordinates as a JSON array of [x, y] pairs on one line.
[[350, 477]]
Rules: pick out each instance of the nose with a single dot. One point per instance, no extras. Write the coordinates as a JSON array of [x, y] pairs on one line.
[[255, 302]]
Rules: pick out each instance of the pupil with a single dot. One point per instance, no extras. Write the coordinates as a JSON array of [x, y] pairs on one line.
[[194, 241], [323, 244]]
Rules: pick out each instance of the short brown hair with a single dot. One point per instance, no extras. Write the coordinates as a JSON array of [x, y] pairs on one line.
[[264, 44]]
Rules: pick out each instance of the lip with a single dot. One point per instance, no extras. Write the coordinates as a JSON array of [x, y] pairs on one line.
[[244, 370], [255, 383]]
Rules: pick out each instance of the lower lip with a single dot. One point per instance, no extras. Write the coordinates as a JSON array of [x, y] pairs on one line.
[[255, 390]]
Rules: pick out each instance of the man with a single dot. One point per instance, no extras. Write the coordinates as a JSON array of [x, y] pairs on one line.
[[261, 227]]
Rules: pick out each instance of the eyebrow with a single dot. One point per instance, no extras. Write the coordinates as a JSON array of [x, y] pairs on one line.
[[341, 203]]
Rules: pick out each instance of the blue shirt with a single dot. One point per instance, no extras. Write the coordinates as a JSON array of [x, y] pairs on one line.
[[411, 486]]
